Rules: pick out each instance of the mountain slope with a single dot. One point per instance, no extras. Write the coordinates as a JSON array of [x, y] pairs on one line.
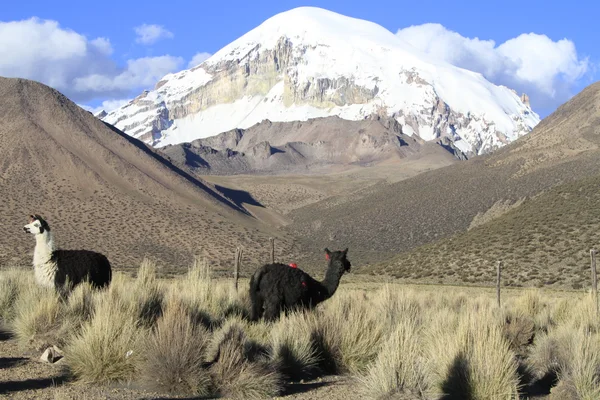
[[99, 188], [389, 219], [317, 145], [543, 241], [309, 63]]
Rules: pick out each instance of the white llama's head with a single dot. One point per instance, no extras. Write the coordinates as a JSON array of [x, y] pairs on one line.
[[37, 225]]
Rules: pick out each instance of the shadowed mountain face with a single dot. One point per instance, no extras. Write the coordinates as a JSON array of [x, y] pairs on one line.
[[103, 190], [309, 146], [387, 219]]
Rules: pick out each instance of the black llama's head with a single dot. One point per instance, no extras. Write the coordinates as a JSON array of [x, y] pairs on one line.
[[37, 225], [338, 259]]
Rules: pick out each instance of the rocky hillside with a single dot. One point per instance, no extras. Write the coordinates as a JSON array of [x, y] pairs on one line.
[[309, 146]]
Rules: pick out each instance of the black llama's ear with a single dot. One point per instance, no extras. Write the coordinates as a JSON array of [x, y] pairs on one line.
[[345, 251]]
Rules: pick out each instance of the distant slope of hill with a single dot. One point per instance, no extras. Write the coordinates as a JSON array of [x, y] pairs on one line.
[[101, 189], [389, 219], [303, 147], [544, 241]]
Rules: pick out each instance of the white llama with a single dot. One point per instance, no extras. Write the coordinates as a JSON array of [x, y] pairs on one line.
[[53, 268]]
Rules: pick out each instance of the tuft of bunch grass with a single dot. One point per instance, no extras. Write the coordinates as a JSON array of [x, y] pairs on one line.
[[583, 315], [519, 330], [214, 300], [197, 286], [352, 333], [80, 304], [37, 316], [399, 367], [292, 348], [236, 371], [583, 371], [74, 312], [109, 346], [469, 356], [393, 306], [573, 354], [146, 294], [174, 354], [549, 353], [12, 283]]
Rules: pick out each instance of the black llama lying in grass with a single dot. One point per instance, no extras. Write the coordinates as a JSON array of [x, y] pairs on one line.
[[279, 287], [53, 268]]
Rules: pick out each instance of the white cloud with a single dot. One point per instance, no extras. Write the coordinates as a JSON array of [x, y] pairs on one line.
[[106, 105], [141, 72], [81, 68], [149, 34], [103, 45], [198, 59], [546, 70]]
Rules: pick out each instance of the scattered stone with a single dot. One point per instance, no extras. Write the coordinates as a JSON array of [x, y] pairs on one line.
[[51, 355]]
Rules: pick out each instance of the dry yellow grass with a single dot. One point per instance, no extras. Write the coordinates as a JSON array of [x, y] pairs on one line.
[[174, 354], [109, 346], [37, 312], [353, 332], [11, 284], [399, 366], [571, 350], [293, 347], [190, 335]]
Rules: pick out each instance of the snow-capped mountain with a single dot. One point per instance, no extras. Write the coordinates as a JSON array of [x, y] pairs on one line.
[[308, 63]]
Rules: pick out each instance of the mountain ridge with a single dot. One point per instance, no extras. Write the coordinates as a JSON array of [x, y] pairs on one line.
[[308, 63], [305, 147]]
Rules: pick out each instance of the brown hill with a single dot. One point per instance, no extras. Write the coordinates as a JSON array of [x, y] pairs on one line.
[[391, 218], [543, 241], [101, 189], [313, 146]]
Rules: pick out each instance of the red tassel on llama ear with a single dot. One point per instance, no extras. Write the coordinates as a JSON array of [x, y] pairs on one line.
[[327, 257], [327, 254], [293, 265]]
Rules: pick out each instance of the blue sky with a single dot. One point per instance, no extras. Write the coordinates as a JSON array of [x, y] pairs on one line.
[[118, 63]]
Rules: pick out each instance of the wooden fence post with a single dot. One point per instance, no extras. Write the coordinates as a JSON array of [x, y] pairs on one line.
[[272, 244], [238, 261], [498, 273], [594, 279]]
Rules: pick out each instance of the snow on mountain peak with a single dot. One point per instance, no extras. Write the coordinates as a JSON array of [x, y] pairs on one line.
[[310, 26], [309, 62]]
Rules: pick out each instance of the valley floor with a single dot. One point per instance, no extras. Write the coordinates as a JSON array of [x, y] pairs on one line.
[[417, 310], [23, 376]]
